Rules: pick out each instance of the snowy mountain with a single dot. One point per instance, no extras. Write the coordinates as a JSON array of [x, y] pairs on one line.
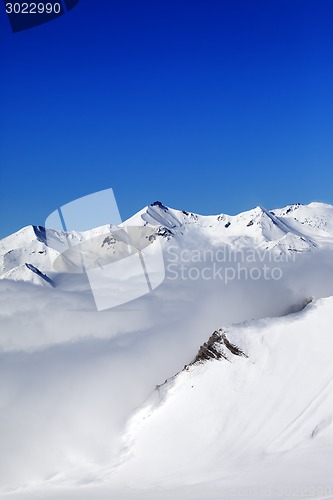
[[36, 255], [259, 397], [216, 383]]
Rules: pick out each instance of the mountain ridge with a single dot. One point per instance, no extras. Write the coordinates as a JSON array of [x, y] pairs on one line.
[[294, 228]]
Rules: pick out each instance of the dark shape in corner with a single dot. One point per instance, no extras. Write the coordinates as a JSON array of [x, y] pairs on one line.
[[27, 15]]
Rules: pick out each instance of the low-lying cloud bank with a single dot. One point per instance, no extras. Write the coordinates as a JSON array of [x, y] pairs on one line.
[[70, 377]]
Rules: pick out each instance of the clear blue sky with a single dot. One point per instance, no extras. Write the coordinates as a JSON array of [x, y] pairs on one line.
[[207, 105]]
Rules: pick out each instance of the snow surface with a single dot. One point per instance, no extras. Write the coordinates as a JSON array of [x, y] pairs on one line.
[[80, 414]]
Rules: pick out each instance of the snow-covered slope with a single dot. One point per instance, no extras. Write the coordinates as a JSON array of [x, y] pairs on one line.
[[27, 246], [228, 416]]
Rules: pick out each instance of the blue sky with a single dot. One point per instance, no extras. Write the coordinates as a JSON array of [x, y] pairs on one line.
[[207, 105]]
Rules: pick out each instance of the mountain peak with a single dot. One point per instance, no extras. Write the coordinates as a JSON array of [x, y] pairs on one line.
[[160, 205]]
